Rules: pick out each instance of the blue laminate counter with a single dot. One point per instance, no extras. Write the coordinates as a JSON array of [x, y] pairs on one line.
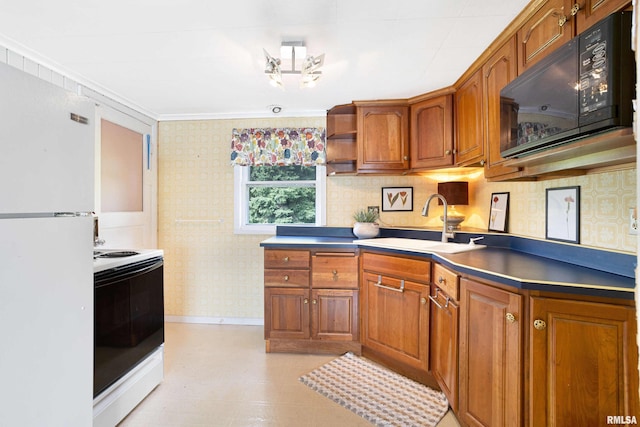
[[510, 260]]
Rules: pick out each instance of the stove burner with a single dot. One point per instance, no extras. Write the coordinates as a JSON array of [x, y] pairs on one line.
[[116, 254]]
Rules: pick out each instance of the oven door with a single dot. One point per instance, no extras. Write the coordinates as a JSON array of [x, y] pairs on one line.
[[128, 319]]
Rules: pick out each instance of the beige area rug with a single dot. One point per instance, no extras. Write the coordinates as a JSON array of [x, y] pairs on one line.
[[377, 394]]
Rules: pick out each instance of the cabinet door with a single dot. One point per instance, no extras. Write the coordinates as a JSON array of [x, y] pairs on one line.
[[490, 356], [383, 138], [550, 27], [584, 362], [469, 121], [396, 319], [334, 314], [443, 356], [497, 72], [286, 313], [592, 11], [432, 133]]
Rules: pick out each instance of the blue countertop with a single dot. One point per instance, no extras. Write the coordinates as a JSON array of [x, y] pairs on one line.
[[519, 262]]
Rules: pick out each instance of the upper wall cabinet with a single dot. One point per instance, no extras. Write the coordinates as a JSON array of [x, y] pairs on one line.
[[383, 136], [341, 139], [555, 23], [431, 143], [469, 122], [497, 72]]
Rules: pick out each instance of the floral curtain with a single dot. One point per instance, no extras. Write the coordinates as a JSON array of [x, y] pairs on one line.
[[278, 147]]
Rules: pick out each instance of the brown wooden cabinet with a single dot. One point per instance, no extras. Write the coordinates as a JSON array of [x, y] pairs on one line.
[[311, 301], [497, 72], [383, 136], [584, 364], [490, 356], [395, 315], [443, 348], [342, 133], [469, 119], [555, 23], [431, 142]]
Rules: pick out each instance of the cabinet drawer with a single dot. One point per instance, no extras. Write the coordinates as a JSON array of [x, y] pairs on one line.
[[286, 278], [447, 280], [282, 258], [335, 271], [405, 268]]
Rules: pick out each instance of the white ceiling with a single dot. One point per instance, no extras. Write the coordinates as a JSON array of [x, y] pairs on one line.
[[203, 58]]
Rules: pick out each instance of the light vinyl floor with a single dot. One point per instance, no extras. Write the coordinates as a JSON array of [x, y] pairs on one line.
[[220, 375]]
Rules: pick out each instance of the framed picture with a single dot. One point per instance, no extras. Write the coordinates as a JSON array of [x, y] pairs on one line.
[[397, 199], [563, 214], [499, 212]]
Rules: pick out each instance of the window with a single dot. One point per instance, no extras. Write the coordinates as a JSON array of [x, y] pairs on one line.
[[266, 196]]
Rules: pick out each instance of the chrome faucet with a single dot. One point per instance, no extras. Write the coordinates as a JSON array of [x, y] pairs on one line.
[[425, 212]]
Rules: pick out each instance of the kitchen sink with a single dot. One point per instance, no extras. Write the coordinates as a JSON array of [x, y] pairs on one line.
[[418, 245]]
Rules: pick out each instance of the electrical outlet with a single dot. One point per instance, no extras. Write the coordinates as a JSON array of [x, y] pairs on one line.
[[633, 221]]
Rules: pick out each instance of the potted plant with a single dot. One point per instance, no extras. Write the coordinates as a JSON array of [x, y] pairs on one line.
[[366, 226]]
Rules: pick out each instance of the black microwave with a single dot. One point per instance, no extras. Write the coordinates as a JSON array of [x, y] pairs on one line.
[[582, 88]]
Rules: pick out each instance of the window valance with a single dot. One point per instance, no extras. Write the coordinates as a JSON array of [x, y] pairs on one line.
[[278, 147]]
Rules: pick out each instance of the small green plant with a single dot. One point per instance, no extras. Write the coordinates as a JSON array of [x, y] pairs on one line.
[[365, 215]]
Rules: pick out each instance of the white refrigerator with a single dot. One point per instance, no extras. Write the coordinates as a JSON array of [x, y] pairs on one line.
[[46, 253]]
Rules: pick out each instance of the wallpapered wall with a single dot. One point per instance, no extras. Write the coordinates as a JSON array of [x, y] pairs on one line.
[[214, 275]]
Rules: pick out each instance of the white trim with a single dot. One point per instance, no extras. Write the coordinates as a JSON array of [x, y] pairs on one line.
[[247, 321]]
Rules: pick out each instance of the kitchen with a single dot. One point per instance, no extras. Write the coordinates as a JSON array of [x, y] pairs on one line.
[[198, 254]]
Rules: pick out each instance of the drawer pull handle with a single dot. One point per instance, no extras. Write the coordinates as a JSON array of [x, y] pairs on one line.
[[380, 285], [285, 259], [510, 318], [286, 278], [435, 301], [539, 324], [441, 279], [335, 275]]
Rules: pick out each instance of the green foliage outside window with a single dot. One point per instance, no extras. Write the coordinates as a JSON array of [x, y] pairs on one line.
[[276, 203]]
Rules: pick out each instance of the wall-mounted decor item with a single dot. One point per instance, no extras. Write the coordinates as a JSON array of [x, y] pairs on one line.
[[563, 214], [499, 212], [397, 199]]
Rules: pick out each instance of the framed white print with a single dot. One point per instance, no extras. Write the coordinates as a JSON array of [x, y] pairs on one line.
[[397, 199], [563, 214], [499, 212]]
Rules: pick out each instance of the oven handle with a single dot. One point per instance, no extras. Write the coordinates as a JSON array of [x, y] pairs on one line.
[[125, 272]]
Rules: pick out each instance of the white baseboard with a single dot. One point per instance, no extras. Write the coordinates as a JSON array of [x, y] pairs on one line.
[[216, 320]]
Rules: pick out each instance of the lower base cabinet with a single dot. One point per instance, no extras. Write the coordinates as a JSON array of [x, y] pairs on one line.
[[395, 313], [584, 363], [490, 356], [311, 301]]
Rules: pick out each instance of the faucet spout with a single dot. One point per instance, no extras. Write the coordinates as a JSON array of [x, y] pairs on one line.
[[425, 212]]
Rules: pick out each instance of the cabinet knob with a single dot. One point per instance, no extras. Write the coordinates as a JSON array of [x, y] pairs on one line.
[[306, 300], [482, 162], [314, 301], [423, 300], [448, 152], [286, 278], [405, 158], [285, 259], [510, 318], [539, 324], [441, 279]]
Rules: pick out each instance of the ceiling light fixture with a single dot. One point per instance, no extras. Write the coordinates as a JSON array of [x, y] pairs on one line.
[[294, 52]]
